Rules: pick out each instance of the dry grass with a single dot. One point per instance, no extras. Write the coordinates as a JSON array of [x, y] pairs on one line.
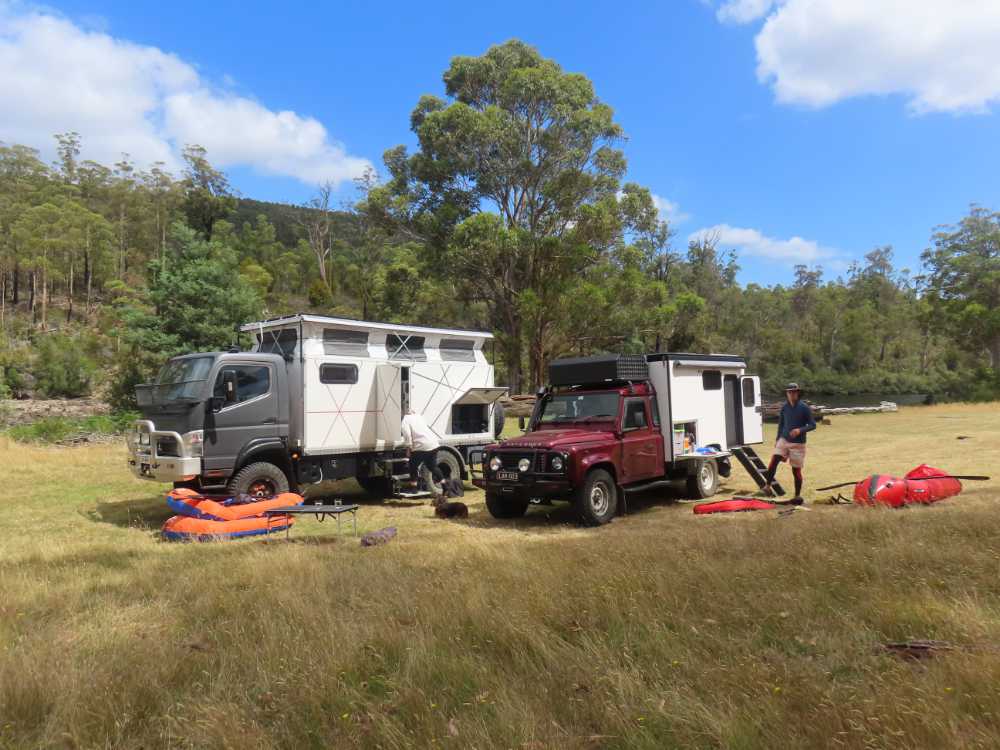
[[661, 630]]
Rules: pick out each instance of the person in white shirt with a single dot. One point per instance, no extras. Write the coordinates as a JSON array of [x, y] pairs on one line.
[[421, 446]]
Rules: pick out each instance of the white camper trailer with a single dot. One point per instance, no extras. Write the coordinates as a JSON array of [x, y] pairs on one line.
[[318, 398]]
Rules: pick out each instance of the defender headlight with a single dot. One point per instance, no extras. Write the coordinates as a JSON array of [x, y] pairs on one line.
[[523, 465], [194, 443], [557, 463], [495, 463]]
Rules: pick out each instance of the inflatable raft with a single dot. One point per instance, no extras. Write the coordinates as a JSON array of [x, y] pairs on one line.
[[734, 506], [203, 518], [918, 486]]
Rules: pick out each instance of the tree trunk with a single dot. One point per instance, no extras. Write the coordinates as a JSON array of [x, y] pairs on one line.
[[31, 301], [69, 291], [121, 242], [17, 286], [995, 353], [87, 272], [45, 295], [3, 298]]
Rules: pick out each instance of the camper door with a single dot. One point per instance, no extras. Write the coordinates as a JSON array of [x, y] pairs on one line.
[[753, 410], [392, 388]]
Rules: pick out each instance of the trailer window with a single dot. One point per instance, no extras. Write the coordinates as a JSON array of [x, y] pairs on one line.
[[748, 394], [351, 343], [338, 374], [251, 381], [406, 347], [458, 350], [284, 342], [711, 380]]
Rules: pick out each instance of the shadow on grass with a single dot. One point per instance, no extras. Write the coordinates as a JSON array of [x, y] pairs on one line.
[[147, 513]]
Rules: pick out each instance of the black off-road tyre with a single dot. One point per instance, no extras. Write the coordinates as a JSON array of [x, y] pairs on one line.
[[448, 464], [596, 500], [705, 480], [378, 487], [499, 419], [505, 507], [260, 479]]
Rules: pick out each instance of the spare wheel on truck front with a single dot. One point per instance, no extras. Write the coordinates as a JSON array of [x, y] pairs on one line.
[[261, 479]]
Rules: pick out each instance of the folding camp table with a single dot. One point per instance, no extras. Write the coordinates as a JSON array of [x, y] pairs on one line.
[[320, 511]]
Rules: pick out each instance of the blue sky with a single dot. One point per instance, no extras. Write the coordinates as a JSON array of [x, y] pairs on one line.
[[794, 131]]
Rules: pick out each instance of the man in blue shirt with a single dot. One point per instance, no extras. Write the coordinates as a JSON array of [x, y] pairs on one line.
[[794, 422]]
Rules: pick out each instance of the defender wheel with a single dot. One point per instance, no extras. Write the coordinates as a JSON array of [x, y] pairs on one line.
[[597, 498], [505, 507], [705, 480], [259, 480], [448, 465], [377, 487]]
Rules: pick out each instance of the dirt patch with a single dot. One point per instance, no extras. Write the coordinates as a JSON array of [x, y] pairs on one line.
[[31, 410]]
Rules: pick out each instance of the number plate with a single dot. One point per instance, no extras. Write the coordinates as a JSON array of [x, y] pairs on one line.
[[507, 476]]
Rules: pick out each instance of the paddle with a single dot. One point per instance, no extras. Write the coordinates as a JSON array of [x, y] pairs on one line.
[[970, 478]]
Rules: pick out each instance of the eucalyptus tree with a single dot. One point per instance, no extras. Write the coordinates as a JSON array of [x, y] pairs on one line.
[[513, 190]]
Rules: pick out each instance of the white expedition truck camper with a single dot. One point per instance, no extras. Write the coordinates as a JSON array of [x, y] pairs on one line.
[[317, 398]]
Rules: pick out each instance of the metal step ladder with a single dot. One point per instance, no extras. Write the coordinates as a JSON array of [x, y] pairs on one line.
[[755, 467]]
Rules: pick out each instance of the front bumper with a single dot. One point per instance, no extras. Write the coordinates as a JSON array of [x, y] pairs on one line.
[[145, 461], [530, 486]]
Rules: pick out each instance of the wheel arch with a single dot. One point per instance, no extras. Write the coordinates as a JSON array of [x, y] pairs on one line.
[[463, 469], [272, 450]]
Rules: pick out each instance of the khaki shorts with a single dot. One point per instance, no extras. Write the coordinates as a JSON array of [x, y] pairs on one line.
[[794, 453]]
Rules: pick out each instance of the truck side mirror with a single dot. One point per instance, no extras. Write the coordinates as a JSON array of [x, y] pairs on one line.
[[229, 386]]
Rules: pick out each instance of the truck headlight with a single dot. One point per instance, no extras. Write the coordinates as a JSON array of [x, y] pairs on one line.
[[495, 463], [557, 463], [194, 442], [523, 465]]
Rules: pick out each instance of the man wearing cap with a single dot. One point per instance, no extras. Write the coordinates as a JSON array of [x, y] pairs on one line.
[[795, 421]]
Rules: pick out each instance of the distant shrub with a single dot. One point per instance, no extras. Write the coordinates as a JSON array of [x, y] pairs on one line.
[[319, 294], [57, 429], [62, 369]]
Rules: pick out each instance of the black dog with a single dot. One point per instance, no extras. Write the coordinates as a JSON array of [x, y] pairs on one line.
[[452, 510]]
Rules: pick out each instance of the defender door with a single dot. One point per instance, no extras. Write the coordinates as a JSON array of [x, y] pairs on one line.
[[752, 410], [253, 414], [642, 443]]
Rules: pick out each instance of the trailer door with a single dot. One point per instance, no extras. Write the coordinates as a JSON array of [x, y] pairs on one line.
[[753, 410]]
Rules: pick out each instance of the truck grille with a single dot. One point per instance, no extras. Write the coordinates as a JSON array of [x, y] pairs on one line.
[[511, 460]]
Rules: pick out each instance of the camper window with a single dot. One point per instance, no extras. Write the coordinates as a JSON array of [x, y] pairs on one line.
[[748, 394], [251, 381], [339, 341], [338, 374], [457, 350], [711, 380], [406, 347], [284, 342]]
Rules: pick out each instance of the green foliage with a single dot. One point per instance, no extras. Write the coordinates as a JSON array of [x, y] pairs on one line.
[[61, 368], [319, 294], [58, 429], [194, 299]]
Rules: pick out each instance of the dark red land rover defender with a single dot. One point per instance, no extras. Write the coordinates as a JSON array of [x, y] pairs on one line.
[[595, 434]]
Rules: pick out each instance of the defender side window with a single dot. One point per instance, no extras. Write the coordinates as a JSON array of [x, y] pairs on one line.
[[635, 414], [251, 381]]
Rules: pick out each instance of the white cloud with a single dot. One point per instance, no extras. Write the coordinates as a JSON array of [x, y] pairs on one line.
[[669, 210], [943, 55], [752, 242], [122, 97], [743, 11]]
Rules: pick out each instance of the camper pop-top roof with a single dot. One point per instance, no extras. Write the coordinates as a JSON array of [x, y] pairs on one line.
[[364, 325]]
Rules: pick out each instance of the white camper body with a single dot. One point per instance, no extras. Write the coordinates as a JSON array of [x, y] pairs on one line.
[[707, 398], [356, 379]]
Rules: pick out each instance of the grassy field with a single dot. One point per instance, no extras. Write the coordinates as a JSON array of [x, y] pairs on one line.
[[660, 630]]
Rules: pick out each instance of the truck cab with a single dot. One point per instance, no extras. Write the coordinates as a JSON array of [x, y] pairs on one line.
[[215, 418]]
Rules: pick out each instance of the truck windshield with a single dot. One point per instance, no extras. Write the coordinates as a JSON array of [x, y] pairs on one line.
[[180, 379], [580, 407]]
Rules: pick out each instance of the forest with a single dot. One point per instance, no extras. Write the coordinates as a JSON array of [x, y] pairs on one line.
[[511, 213]]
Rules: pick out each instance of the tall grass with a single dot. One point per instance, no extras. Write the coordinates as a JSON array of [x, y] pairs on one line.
[[660, 630]]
